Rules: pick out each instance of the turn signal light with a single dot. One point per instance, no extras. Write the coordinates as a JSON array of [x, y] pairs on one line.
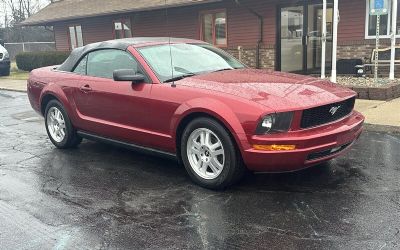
[[274, 147]]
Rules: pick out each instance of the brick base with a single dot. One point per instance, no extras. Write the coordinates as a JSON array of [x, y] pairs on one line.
[[345, 51], [364, 51], [248, 57]]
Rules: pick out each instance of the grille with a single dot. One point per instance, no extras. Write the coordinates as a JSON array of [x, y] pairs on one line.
[[326, 114], [1, 55], [327, 153]]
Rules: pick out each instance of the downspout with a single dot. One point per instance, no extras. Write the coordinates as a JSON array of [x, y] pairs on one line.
[[261, 32]]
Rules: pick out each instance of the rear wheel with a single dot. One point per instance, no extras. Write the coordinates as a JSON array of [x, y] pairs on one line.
[[59, 127], [209, 154]]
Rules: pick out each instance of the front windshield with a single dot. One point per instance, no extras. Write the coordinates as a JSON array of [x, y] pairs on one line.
[[187, 60]]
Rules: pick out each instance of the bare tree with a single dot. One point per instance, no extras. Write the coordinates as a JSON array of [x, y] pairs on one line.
[[21, 9], [16, 11]]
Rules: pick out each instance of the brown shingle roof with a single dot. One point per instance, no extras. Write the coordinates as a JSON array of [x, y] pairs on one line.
[[63, 10]]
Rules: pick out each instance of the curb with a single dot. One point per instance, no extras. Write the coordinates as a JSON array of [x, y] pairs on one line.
[[382, 128], [15, 90]]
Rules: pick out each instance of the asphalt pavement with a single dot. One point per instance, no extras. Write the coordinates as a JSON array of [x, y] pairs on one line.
[[102, 197]]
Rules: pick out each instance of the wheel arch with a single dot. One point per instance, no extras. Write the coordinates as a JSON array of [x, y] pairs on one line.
[[52, 92], [213, 109], [45, 100]]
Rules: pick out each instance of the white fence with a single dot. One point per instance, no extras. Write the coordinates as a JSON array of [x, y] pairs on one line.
[[15, 48]]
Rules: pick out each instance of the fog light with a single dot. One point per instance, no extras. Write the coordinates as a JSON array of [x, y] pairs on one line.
[[274, 147]]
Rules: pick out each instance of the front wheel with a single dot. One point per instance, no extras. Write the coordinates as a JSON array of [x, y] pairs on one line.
[[59, 127], [209, 154]]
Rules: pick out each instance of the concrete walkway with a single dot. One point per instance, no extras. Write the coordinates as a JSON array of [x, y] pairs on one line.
[[386, 113], [13, 85]]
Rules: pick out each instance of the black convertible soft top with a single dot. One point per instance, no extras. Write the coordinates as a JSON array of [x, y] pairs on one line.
[[121, 44]]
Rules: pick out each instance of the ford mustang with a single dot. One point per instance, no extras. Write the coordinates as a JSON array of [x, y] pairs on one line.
[[189, 100]]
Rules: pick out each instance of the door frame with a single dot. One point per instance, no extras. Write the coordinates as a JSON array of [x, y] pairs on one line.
[[278, 52]]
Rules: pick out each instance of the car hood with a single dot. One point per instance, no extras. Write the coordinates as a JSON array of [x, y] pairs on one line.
[[277, 90], [2, 49]]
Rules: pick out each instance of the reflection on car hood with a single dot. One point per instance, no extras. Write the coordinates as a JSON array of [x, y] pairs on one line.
[[277, 90]]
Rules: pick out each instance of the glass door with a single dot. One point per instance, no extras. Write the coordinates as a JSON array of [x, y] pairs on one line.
[[291, 38], [300, 37], [314, 37]]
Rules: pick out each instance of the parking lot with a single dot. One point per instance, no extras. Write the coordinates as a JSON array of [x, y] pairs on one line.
[[99, 196]]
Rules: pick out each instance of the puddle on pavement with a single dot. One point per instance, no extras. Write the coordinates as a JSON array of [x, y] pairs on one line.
[[29, 116]]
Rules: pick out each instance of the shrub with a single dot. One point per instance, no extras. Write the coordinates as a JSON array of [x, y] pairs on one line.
[[29, 61]]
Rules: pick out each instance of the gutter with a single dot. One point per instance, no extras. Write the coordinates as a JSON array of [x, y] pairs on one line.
[[51, 21], [261, 32]]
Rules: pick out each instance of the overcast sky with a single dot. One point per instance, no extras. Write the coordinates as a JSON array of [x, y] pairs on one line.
[[5, 9]]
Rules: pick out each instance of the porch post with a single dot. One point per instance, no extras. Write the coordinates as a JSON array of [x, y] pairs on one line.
[[335, 38], [323, 63], [393, 34]]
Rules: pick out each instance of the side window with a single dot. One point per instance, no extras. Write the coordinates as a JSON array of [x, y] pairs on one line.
[[102, 63], [214, 28], [81, 67], [122, 28]]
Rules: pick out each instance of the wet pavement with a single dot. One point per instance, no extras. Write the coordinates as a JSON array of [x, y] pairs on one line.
[[102, 197]]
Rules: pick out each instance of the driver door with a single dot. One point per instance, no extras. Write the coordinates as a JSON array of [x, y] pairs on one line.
[[106, 107]]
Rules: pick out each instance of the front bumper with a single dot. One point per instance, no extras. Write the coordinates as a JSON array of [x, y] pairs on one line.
[[5, 64], [313, 146]]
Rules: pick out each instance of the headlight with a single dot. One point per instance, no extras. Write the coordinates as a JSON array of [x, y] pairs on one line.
[[6, 55], [275, 123]]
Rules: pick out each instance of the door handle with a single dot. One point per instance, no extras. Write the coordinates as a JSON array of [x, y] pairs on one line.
[[86, 88], [305, 40]]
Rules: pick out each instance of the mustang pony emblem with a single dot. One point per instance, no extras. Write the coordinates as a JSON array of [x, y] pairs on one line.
[[333, 110]]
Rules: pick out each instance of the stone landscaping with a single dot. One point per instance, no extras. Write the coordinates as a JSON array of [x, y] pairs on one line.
[[367, 88]]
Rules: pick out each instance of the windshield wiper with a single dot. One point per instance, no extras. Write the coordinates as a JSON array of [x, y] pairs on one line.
[[177, 78], [225, 69]]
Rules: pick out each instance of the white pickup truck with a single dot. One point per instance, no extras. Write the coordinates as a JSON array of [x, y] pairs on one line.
[[4, 62]]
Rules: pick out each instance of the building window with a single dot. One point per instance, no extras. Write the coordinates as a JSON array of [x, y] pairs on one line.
[[385, 23], [75, 36], [122, 28], [214, 27]]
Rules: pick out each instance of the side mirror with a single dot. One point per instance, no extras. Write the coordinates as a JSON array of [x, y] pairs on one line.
[[128, 75]]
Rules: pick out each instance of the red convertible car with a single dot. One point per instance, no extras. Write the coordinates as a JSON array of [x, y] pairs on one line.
[[186, 99]]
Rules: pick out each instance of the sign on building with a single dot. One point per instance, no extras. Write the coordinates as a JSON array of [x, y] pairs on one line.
[[379, 7]]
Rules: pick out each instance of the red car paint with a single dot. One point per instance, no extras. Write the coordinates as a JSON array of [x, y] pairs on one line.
[[149, 115]]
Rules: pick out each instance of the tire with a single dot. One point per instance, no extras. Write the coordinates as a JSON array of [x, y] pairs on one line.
[[59, 127], [213, 162]]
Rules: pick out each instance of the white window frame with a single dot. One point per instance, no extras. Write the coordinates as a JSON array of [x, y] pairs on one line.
[[367, 36], [78, 40]]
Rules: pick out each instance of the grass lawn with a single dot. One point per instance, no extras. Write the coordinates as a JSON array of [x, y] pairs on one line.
[[16, 74]]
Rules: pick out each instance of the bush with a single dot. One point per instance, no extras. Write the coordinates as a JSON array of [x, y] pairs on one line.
[[29, 61]]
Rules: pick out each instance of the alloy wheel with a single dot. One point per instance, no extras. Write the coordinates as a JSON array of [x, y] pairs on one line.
[[56, 124], [206, 153]]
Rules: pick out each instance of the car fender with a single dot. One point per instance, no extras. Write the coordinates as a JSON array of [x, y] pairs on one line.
[[56, 91], [214, 108]]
